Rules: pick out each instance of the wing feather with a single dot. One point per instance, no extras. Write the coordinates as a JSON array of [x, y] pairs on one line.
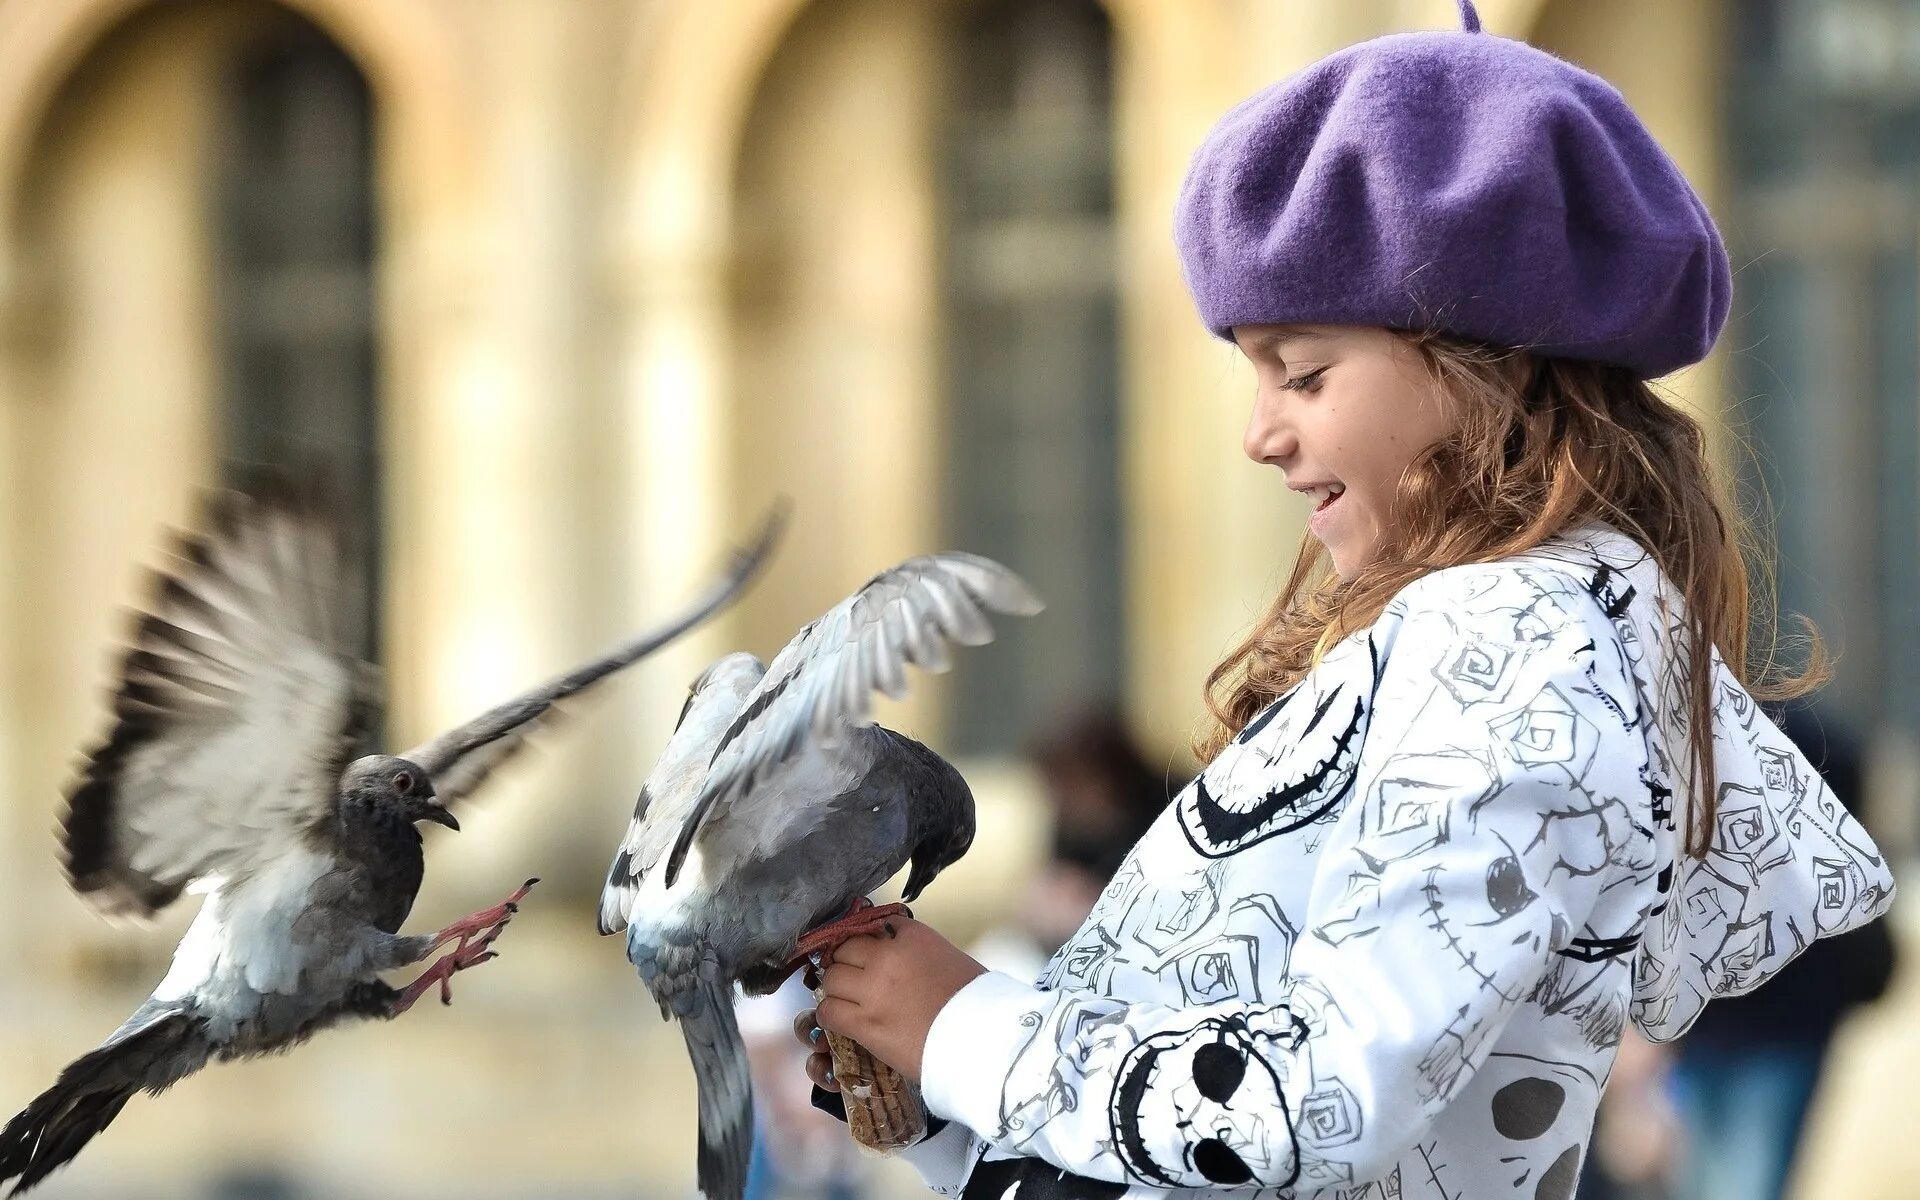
[[460, 760], [673, 786], [235, 710], [822, 682]]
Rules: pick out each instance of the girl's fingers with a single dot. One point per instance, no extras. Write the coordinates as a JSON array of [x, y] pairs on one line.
[[820, 1070], [855, 952], [843, 983], [807, 1028], [839, 1015]]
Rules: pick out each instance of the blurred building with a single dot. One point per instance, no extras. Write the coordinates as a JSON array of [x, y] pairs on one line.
[[565, 291]]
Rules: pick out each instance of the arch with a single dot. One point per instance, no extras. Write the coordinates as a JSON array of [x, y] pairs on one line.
[[694, 76], [420, 88], [693, 73], [426, 148]]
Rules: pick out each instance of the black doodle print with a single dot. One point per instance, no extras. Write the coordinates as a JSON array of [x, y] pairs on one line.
[[1386, 945], [1292, 767], [1507, 890], [1526, 1108], [1560, 1179], [1216, 1087]]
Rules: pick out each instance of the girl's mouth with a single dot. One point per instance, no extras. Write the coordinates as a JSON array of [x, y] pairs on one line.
[[1328, 497], [1325, 495]]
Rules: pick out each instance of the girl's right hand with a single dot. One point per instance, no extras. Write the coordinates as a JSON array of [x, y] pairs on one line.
[[819, 1060]]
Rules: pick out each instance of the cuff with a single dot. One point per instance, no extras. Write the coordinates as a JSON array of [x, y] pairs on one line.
[[942, 1158], [971, 1047]]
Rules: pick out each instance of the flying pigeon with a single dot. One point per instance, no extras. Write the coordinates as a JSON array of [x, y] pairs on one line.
[[778, 804], [231, 769]]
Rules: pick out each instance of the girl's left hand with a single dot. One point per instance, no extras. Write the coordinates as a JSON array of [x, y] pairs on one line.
[[884, 991]]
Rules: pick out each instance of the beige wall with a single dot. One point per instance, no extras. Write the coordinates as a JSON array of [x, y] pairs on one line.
[[116, 425], [645, 264]]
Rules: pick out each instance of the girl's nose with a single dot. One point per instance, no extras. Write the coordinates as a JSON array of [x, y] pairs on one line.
[[1269, 439]]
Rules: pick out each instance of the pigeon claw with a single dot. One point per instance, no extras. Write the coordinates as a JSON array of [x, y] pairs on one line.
[[862, 918], [475, 934], [441, 971], [485, 923]]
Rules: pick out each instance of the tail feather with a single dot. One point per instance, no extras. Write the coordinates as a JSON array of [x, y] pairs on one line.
[[725, 1087], [150, 1052]]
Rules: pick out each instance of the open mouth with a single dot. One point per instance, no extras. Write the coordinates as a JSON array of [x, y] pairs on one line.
[[1326, 496]]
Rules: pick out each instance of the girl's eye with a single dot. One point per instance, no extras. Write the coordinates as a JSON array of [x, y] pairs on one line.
[[1310, 382]]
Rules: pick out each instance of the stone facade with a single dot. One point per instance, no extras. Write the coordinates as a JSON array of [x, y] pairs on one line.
[[641, 264]]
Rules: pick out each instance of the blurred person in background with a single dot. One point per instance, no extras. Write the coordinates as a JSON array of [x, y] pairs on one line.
[[1747, 1074], [1637, 1135], [1102, 790], [1101, 794], [799, 1153]]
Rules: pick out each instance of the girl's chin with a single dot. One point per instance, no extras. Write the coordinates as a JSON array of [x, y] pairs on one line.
[[1347, 559]]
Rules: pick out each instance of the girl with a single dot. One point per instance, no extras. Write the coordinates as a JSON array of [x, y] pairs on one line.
[[1491, 788]]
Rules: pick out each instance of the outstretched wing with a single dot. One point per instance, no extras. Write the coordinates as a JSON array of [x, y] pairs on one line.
[[673, 787], [236, 710], [460, 760], [822, 683]]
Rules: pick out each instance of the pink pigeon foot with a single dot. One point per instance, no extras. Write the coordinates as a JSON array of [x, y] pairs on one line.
[[862, 917], [476, 934]]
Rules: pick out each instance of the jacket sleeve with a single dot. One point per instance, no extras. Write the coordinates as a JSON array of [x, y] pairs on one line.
[[1497, 785]]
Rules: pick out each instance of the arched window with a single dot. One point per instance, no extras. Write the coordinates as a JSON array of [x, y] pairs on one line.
[[1032, 353], [294, 234]]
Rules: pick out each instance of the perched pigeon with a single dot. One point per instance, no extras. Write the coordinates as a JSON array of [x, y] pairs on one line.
[[230, 769], [777, 805]]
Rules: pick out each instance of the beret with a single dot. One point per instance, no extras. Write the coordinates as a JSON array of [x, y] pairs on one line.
[[1461, 183]]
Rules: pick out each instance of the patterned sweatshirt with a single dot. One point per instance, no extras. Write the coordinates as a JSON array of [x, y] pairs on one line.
[[1386, 944]]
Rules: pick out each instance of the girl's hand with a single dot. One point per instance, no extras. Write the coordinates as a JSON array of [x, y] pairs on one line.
[[806, 1027], [884, 993]]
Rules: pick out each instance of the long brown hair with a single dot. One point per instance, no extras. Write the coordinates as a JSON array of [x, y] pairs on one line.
[[1543, 445]]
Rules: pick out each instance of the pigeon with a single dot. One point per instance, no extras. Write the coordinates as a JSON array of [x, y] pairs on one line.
[[778, 804], [231, 769]]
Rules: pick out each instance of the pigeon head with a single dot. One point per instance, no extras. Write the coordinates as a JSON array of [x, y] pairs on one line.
[[382, 782]]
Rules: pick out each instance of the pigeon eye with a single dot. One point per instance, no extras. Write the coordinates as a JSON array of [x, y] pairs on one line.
[[403, 783]]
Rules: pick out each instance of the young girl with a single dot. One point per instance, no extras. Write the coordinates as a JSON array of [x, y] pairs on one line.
[[1490, 789]]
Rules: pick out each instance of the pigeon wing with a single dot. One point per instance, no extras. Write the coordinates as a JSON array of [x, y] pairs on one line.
[[461, 759], [235, 712], [822, 683], [673, 787]]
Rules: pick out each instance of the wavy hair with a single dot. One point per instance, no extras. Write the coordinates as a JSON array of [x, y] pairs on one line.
[[1542, 446]]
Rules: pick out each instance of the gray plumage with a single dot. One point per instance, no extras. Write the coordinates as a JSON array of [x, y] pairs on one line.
[[777, 803], [231, 769]]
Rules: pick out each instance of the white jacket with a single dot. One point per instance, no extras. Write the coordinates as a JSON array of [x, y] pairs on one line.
[[1386, 945]]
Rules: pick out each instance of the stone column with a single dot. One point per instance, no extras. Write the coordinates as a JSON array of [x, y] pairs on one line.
[[25, 338], [1208, 533], [480, 394]]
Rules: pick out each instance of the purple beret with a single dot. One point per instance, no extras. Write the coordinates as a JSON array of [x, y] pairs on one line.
[[1457, 182]]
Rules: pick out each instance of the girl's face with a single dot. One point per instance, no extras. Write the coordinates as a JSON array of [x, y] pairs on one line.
[[1342, 410]]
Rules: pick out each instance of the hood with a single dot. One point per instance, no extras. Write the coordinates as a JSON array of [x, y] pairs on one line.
[[1786, 862]]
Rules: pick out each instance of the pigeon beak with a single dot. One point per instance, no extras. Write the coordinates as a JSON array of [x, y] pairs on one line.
[[440, 816]]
